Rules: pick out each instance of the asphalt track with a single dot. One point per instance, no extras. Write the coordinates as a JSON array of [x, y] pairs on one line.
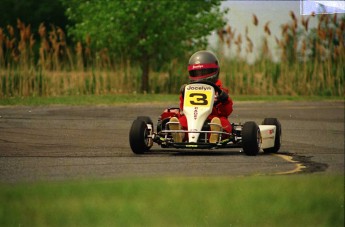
[[53, 143]]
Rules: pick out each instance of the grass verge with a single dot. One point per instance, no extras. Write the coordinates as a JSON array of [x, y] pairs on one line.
[[139, 98], [297, 200]]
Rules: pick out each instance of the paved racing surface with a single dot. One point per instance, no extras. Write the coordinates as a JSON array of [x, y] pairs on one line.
[[91, 142]]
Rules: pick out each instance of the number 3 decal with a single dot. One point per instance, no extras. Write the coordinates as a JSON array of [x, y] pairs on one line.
[[199, 99]]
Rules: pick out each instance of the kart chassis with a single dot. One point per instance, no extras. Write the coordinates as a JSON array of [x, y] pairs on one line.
[[250, 136]]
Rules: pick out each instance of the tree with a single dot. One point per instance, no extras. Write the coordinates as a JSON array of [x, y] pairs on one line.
[[146, 32], [33, 12]]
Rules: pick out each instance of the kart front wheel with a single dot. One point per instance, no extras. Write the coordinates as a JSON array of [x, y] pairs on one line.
[[149, 123], [146, 119], [278, 138], [138, 137], [251, 138]]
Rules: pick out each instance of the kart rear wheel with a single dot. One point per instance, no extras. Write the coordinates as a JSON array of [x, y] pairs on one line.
[[138, 137], [278, 138], [251, 138]]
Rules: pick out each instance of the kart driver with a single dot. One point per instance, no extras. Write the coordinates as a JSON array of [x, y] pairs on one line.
[[203, 66]]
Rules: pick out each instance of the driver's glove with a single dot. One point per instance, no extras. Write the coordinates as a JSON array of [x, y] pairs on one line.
[[223, 96]]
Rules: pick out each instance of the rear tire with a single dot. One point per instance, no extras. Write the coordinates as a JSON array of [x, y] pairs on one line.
[[138, 139], [251, 138], [278, 138]]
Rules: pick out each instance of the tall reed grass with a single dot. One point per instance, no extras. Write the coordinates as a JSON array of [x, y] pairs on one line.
[[312, 61], [43, 64]]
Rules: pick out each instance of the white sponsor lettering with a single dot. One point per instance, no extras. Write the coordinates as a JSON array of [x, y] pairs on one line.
[[198, 66]]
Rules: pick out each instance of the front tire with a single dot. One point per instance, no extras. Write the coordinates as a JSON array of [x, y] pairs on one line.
[[148, 122], [138, 137], [278, 138], [146, 119], [251, 138]]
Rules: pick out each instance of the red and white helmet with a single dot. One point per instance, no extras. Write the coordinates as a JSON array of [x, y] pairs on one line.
[[203, 66]]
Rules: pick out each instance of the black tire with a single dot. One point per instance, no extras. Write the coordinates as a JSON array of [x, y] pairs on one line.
[[251, 138], [278, 139], [146, 119], [138, 137]]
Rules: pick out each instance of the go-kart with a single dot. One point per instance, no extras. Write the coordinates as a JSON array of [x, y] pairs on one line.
[[198, 103]]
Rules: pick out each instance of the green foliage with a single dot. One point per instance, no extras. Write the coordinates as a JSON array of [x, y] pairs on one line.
[[159, 28], [33, 13], [46, 64], [149, 33], [72, 99]]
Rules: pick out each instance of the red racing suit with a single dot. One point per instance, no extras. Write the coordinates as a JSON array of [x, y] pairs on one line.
[[221, 110]]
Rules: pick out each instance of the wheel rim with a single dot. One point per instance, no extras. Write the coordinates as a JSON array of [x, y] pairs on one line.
[[258, 137], [146, 139]]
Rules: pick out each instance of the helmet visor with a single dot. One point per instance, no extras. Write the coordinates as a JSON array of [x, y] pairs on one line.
[[202, 71]]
